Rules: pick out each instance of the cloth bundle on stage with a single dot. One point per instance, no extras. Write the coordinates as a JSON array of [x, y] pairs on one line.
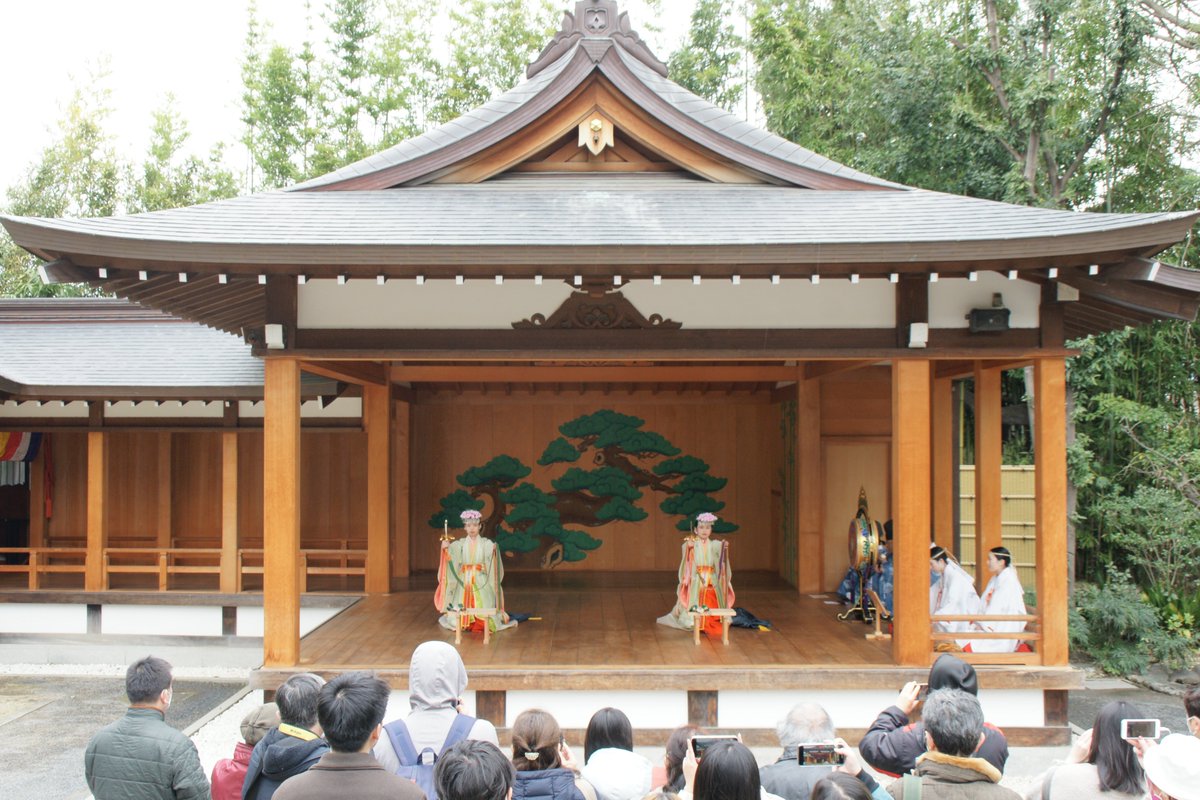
[[17, 451]]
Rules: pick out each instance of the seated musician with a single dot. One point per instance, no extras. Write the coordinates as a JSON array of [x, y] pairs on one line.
[[1003, 595], [952, 594], [705, 579], [470, 576]]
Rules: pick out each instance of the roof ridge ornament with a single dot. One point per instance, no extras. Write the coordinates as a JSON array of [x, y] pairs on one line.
[[592, 21]]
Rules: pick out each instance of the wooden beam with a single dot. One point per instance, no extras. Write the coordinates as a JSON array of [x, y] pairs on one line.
[[912, 305], [810, 489], [377, 419], [281, 307], [988, 460], [814, 370], [1050, 480], [94, 578], [281, 513], [37, 496], [944, 461], [719, 373], [230, 540], [402, 486], [911, 645], [1051, 316], [165, 517], [362, 373]]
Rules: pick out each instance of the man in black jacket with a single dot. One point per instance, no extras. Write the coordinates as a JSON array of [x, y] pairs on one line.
[[294, 746], [892, 743]]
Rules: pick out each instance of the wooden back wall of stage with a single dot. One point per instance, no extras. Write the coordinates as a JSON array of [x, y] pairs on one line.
[[735, 433]]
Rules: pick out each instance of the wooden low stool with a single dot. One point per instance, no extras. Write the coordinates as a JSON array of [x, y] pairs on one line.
[[698, 617], [485, 613]]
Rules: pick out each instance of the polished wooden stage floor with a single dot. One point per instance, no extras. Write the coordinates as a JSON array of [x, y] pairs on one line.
[[598, 621]]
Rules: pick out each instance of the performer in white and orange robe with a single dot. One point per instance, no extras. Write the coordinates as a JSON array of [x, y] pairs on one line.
[[705, 579], [470, 575]]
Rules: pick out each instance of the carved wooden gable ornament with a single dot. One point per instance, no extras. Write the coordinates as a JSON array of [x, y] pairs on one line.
[[595, 21]]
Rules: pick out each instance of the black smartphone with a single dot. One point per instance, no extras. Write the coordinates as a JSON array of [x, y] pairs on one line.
[[819, 754], [702, 741]]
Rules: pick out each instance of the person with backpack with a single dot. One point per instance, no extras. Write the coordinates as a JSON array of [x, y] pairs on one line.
[[410, 747], [350, 708]]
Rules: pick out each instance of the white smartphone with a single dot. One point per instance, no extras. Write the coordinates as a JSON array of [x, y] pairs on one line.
[[1141, 729]]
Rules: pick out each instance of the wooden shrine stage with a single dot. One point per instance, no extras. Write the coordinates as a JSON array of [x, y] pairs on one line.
[[597, 633]]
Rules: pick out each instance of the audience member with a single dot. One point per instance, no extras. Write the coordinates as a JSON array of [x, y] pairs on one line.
[[806, 723], [672, 781], [1100, 761], [294, 746], [437, 679], [350, 709], [140, 755], [953, 732], [840, 786], [1173, 768], [611, 766], [892, 744], [229, 774], [474, 770], [544, 764], [1191, 704], [728, 771]]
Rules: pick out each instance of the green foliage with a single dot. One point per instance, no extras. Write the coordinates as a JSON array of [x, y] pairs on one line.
[[171, 179], [602, 482], [590, 426], [709, 63], [684, 465], [453, 505], [1114, 625], [558, 451], [502, 471]]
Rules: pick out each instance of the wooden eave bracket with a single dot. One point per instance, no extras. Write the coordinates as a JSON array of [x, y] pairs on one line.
[[1158, 298], [63, 270], [362, 373]]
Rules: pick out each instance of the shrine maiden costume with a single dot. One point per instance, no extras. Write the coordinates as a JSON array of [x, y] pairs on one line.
[[1003, 595], [952, 594], [470, 575], [705, 579]]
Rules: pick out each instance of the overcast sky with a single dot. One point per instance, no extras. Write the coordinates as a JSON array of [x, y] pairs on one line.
[[150, 48]]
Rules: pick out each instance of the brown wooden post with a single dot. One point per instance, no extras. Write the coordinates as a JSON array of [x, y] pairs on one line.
[[163, 526], [911, 645], [37, 496], [94, 577], [377, 419], [810, 491], [944, 462], [281, 513], [988, 459], [1050, 480], [402, 487], [229, 513]]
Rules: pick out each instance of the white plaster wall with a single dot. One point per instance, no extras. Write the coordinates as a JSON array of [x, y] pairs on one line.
[[441, 304], [645, 709], [438, 304], [1013, 707], [169, 409], [250, 619], [951, 300], [42, 618], [342, 408], [161, 620], [51, 410]]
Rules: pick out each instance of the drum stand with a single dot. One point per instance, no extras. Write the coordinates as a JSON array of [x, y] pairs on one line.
[[863, 607]]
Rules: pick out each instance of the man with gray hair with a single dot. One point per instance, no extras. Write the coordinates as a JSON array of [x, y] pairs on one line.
[[806, 723], [953, 732], [294, 746]]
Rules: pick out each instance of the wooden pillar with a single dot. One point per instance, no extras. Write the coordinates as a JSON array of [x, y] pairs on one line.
[[810, 489], [94, 578], [1050, 480], [163, 526], [37, 496], [377, 419], [230, 541], [281, 513], [988, 459], [944, 462], [401, 485], [911, 645]]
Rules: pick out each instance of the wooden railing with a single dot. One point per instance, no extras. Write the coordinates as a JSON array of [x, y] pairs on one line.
[[161, 561], [42, 560], [1031, 634], [313, 561]]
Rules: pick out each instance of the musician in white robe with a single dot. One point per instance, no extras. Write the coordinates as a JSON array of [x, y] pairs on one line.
[[952, 594], [1003, 595]]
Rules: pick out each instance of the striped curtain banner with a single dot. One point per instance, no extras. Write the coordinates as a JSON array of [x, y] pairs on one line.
[[19, 446]]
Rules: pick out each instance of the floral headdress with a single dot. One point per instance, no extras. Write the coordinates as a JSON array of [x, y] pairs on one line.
[[706, 517], [470, 514]]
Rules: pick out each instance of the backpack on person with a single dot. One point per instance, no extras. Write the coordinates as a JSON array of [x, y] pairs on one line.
[[418, 767]]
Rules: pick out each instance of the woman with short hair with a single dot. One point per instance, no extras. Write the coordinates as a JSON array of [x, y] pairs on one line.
[[612, 768]]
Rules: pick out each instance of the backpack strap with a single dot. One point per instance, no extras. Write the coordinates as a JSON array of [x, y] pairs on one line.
[[402, 742], [912, 786], [458, 731]]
